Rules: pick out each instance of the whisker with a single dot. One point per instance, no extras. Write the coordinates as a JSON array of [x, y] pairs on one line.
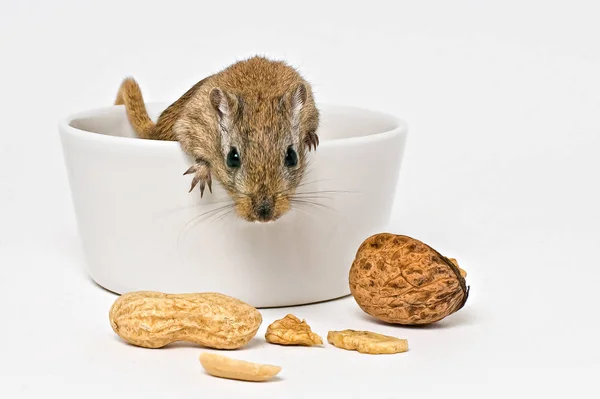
[[297, 201], [223, 215], [215, 215], [310, 182], [211, 217], [299, 208], [329, 192], [199, 217], [310, 197], [194, 205], [220, 202]]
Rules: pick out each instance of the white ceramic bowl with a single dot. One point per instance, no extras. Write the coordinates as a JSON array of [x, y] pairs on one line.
[[142, 230]]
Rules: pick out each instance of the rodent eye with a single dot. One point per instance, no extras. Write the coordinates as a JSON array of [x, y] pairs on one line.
[[233, 158], [291, 158]]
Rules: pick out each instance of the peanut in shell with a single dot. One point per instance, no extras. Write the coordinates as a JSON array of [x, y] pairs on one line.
[[152, 319]]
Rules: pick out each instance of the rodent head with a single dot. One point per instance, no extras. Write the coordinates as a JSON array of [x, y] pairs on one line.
[[264, 140]]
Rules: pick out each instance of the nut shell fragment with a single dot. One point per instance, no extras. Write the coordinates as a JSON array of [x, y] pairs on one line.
[[292, 331], [401, 280], [367, 342], [233, 369]]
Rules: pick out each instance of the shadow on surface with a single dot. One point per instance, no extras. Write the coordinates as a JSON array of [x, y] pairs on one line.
[[94, 283], [272, 380], [332, 300], [183, 344], [307, 304], [464, 317]]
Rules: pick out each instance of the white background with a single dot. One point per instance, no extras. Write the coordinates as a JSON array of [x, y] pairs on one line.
[[501, 171]]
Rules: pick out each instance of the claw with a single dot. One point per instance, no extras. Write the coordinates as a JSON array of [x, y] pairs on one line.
[[202, 184], [192, 169], [201, 172], [312, 140], [195, 181]]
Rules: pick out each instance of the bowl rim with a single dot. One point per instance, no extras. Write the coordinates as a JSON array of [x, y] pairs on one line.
[[64, 125]]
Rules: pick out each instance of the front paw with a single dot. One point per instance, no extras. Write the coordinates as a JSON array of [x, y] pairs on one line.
[[201, 172]]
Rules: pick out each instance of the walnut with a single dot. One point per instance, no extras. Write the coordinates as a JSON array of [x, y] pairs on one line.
[[400, 280], [367, 342], [291, 331], [462, 272]]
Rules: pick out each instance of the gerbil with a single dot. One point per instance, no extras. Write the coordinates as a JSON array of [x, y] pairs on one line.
[[249, 126]]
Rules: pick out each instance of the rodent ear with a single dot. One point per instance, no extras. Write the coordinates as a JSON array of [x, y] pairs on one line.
[[297, 102], [219, 101], [299, 98]]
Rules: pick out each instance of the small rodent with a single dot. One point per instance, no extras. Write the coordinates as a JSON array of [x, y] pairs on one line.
[[249, 126]]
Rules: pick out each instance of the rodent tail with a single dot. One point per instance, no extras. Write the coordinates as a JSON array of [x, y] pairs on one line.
[[130, 95]]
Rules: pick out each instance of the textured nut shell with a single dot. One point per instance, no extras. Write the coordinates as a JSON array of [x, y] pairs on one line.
[[367, 342], [292, 331], [400, 280], [463, 273], [153, 319], [225, 367]]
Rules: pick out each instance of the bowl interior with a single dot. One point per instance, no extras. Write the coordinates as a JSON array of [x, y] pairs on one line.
[[337, 122]]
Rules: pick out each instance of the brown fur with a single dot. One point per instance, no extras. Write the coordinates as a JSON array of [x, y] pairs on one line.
[[258, 106], [130, 95]]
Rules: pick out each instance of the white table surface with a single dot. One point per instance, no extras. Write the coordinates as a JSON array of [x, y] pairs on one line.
[[501, 172]]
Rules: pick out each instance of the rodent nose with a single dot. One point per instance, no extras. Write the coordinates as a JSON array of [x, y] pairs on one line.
[[264, 210]]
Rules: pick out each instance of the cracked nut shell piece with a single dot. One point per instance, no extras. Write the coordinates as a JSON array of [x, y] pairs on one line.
[[292, 331], [367, 342]]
